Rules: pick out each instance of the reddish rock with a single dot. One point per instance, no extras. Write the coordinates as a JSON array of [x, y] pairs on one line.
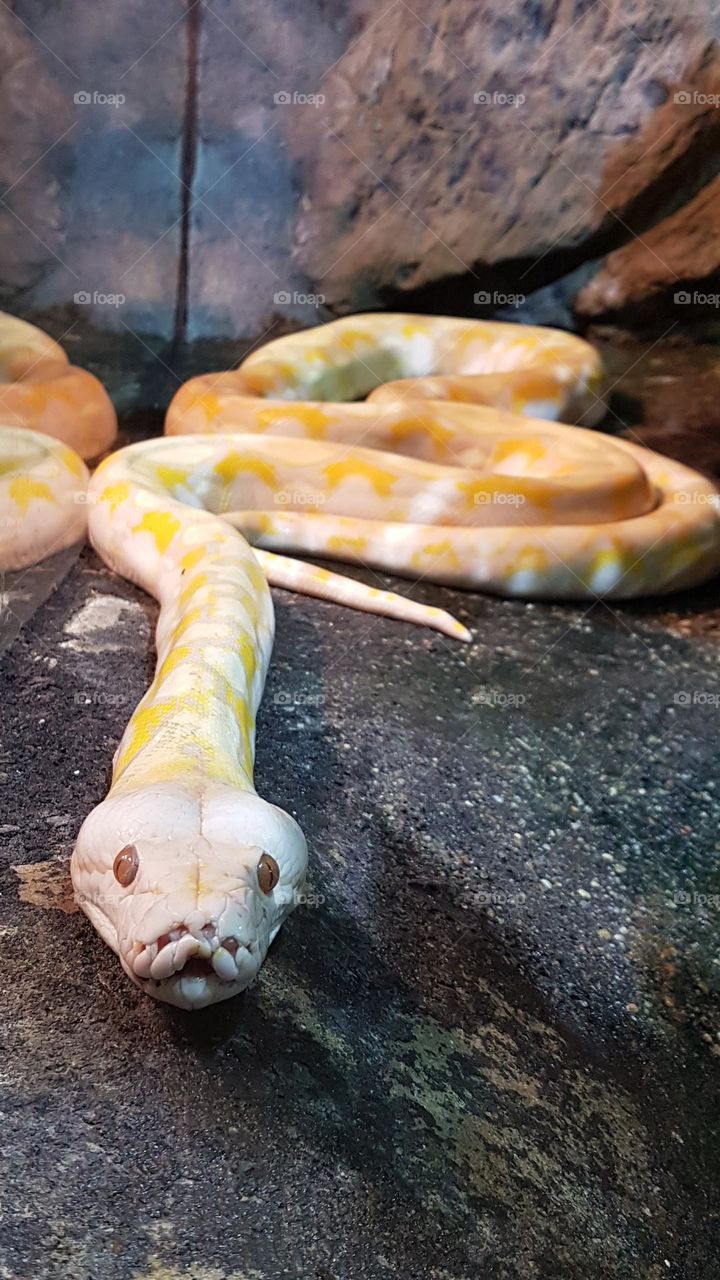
[[680, 248]]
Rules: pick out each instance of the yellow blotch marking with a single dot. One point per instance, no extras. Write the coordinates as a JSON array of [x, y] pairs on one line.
[[255, 575], [411, 330], [143, 726], [284, 368], [353, 338], [248, 656], [381, 481], [467, 336], [612, 557], [200, 580], [314, 420], [233, 463], [23, 490], [343, 543], [532, 559], [73, 462], [192, 616], [173, 660], [171, 476], [261, 522], [255, 383], [205, 760], [532, 448], [162, 525], [245, 720], [434, 551], [191, 558], [265, 375], [208, 403], [477, 492], [115, 494]]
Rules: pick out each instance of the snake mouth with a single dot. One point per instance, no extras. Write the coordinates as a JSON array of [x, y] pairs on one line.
[[195, 955], [196, 968]]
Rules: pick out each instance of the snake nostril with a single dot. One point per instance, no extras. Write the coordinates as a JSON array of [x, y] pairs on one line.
[[230, 945]]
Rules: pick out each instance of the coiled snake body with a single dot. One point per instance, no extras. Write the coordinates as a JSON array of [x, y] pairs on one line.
[[451, 471]]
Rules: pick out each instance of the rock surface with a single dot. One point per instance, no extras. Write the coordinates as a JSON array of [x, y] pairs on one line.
[[270, 162], [411, 180], [679, 249], [488, 1044]]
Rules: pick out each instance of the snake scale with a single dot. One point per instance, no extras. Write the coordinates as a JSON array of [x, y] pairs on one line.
[[428, 447]]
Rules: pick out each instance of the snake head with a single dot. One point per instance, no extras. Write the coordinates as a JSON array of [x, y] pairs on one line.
[[188, 888]]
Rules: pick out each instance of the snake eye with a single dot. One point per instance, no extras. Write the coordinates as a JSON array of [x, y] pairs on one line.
[[268, 873], [126, 864]]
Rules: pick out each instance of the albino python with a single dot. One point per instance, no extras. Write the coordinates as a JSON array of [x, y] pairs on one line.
[[449, 471]]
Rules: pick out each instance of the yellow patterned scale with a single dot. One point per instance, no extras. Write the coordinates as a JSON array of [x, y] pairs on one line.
[[453, 470]]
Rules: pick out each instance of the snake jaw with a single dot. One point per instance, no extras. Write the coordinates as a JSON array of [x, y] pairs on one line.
[[187, 952], [193, 967], [190, 950]]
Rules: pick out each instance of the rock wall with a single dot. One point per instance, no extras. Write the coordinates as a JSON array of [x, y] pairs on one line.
[[229, 167]]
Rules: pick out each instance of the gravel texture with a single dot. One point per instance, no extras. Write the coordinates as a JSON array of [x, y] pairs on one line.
[[489, 1044]]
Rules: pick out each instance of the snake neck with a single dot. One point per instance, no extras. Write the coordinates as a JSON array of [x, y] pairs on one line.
[[196, 723]]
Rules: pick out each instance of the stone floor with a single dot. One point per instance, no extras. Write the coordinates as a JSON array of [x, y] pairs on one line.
[[489, 1047]]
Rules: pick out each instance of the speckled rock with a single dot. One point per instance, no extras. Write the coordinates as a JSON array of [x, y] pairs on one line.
[[487, 1045]]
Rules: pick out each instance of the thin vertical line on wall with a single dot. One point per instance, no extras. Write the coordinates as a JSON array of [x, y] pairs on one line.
[[188, 157]]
